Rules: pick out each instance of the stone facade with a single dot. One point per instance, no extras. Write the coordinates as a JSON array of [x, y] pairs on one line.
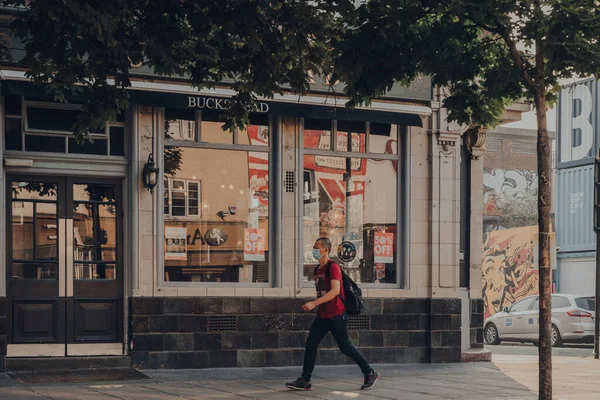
[[266, 332], [477, 323]]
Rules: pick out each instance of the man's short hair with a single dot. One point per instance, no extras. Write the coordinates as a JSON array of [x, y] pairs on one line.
[[325, 242]]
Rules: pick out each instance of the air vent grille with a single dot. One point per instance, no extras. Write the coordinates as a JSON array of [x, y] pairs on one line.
[[222, 323], [359, 322], [290, 181]]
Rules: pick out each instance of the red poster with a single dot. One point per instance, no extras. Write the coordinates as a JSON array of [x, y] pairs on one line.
[[384, 247], [254, 244]]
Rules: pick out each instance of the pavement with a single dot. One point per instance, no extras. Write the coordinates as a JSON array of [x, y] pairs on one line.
[[569, 350], [506, 377]]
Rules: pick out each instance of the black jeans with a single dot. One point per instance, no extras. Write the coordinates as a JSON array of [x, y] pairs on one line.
[[339, 330]]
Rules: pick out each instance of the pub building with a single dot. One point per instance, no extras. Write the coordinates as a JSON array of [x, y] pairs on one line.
[[167, 242]]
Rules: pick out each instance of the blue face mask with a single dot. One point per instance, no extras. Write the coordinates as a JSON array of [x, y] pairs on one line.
[[316, 254]]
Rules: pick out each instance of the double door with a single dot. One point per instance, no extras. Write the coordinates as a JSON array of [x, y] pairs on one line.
[[64, 266]]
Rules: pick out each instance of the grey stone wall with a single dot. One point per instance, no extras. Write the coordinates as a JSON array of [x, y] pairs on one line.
[[477, 310], [264, 332]]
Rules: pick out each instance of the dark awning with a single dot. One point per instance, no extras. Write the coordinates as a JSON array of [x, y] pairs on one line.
[[200, 101]]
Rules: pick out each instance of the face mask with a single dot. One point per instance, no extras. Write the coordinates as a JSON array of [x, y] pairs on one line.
[[316, 254]]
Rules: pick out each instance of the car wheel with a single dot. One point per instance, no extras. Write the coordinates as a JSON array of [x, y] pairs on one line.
[[555, 338], [491, 334]]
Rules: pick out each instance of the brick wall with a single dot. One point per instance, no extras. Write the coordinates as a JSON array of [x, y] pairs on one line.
[[257, 332], [507, 159]]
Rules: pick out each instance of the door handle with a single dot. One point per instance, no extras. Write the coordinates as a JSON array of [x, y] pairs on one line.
[[519, 317]]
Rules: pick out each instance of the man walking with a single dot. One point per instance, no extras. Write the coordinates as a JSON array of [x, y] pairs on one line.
[[331, 317]]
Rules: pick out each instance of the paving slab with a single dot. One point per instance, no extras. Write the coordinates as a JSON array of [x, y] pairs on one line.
[[506, 377]]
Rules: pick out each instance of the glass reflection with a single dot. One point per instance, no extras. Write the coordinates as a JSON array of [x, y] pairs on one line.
[[216, 216], [366, 218], [37, 271], [94, 231]]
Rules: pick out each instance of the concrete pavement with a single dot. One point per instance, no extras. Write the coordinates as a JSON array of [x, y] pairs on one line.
[[507, 377], [567, 350]]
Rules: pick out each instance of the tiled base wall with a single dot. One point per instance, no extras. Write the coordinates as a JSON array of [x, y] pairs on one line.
[[257, 332], [3, 332], [477, 310]]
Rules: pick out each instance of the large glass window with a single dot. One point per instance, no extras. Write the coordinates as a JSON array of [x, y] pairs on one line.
[[216, 204], [352, 200]]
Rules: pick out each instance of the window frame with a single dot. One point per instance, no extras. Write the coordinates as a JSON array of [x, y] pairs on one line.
[[66, 135], [186, 191], [402, 237], [274, 193]]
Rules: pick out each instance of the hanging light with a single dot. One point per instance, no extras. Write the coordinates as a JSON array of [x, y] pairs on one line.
[[150, 172]]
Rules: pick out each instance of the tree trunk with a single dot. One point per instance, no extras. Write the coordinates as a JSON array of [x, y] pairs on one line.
[[544, 262]]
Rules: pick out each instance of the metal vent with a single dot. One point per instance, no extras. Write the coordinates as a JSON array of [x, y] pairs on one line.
[[222, 323], [290, 181], [359, 322]]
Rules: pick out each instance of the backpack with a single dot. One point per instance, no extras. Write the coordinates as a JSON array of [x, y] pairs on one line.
[[352, 298]]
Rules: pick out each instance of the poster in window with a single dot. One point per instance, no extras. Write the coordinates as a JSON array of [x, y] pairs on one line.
[[254, 244], [175, 243], [379, 271], [258, 169], [384, 247]]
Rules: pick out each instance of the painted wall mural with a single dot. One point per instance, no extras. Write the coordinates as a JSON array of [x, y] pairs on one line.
[[511, 197], [509, 267]]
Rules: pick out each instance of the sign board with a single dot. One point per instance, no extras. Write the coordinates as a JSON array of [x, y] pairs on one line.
[[254, 244], [578, 122], [175, 243], [384, 247]]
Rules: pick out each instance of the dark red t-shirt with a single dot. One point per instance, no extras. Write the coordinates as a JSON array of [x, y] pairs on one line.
[[333, 308]]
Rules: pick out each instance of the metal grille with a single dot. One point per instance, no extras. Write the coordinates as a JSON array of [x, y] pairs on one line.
[[359, 322], [290, 181], [222, 323]]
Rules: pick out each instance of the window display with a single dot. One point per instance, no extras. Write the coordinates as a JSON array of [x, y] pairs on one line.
[[353, 202], [216, 210]]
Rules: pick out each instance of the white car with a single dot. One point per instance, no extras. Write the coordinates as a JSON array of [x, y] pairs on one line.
[[572, 321]]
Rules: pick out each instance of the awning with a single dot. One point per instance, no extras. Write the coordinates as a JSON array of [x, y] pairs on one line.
[[179, 96]]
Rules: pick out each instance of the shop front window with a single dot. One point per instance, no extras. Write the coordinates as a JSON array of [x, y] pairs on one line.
[[353, 201], [216, 209]]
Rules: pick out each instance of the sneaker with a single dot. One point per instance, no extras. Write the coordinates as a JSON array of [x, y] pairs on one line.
[[299, 384], [370, 380]]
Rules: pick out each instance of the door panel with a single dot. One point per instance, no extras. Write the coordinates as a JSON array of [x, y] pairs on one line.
[[96, 320], [64, 264], [35, 321], [96, 254], [35, 207]]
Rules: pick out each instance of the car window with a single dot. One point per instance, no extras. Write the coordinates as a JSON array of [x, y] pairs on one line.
[[522, 305], [587, 303], [536, 304], [560, 302]]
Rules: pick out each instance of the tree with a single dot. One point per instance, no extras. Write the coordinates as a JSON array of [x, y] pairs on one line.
[[87, 49], [488, 53]]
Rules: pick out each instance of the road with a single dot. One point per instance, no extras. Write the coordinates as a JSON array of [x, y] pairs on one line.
[[568, 350]]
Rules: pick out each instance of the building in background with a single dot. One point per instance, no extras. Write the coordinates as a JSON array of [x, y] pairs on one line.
[[578, 143], [510, 231]]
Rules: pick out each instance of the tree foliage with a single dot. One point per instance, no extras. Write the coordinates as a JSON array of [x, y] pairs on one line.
[[88, 48], [483, 51]]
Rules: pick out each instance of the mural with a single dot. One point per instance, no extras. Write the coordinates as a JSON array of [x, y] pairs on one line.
[[509, 267], [510, 198]]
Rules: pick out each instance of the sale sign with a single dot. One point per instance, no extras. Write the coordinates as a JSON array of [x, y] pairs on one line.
[[384, 247], [254, 244]]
